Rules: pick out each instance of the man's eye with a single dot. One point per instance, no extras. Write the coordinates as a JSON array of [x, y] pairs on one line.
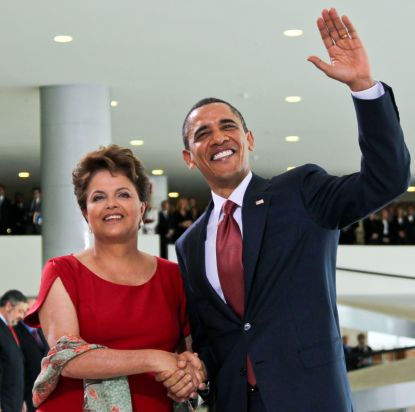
[[200, 136], [229, 126]]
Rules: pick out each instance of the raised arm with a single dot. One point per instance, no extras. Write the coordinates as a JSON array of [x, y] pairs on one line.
[[349, 63]]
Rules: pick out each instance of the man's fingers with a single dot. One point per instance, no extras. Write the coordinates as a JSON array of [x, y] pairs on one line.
[[324, 33], [181, 363], [171, 380], [162, 376], [320, 64], [338, 24], [350, 28]]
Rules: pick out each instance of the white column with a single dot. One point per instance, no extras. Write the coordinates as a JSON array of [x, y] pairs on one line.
[[75, 119]]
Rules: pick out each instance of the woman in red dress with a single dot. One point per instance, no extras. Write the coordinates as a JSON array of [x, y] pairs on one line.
[[113, 294]]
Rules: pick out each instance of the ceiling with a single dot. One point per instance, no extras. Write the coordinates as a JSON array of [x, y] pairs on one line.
[[159, 57]]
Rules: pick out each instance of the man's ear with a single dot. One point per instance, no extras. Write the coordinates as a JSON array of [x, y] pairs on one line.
[[251, 141], [188, 158]]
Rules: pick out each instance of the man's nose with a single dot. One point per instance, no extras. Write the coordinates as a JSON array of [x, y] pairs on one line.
[[219, 138]]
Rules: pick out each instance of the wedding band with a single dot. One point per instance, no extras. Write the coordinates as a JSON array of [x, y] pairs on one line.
[[345, 36]]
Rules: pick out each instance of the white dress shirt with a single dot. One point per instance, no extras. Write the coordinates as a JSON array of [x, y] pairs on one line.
[[237, 197]]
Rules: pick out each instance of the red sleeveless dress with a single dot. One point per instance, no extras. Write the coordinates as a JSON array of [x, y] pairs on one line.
[[148, 316]]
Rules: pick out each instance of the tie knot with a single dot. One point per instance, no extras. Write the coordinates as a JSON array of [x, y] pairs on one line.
[[229, 207]]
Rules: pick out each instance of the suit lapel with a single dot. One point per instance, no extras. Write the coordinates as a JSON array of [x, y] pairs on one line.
[[254, 215]]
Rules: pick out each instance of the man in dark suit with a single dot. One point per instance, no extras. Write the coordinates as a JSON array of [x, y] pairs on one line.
[[282, 350], [35, 217], [13, 307], [34, 347], [4, 211], [164, 228], [18, 215]]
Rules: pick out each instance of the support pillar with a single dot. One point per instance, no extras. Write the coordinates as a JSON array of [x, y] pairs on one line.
[[75, 119]]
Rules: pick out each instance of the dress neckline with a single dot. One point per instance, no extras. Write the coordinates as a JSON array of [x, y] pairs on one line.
[[115, 283]]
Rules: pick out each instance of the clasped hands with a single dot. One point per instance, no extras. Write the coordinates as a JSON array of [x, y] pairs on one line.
[[188, 376]]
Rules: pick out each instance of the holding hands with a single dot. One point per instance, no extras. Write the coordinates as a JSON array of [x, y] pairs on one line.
[[349, 63], [185, 378]]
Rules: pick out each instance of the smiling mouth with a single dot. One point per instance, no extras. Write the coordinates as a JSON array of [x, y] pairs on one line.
[[112, 217], [223, 154]]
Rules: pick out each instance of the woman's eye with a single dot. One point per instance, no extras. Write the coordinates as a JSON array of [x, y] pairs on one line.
[[96, 198], [125, 195]]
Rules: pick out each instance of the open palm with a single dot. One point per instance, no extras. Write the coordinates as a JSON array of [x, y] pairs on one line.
[[348, 59]]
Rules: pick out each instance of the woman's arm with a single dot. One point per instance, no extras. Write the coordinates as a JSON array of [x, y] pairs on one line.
[[58, 318]]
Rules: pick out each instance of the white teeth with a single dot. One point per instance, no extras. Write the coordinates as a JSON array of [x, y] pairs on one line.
[[113, 217], [220, 155]]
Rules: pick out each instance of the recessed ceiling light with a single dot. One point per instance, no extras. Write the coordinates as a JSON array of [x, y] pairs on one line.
[[114, 103], [157, 172], [24, 175], [63, 39], [293, 33], [292, 139], [174, 195], [293, 99], [290, 168], [136, 142], [411, 189]]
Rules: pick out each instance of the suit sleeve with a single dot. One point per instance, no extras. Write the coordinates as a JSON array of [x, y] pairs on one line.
[[335, 202], [200, 341]]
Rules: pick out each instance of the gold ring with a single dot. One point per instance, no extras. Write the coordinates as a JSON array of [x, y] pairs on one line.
[[345, 36]]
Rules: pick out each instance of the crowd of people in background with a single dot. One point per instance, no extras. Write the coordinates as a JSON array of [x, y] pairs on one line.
[[392, 225], [174, 219], [20, 217]]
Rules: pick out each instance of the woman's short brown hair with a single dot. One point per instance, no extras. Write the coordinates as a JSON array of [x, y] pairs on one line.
[[115, 159]]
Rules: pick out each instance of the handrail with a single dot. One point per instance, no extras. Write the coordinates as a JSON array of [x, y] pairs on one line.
[[390, 275]]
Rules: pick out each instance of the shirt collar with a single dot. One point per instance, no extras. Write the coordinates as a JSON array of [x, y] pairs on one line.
[[237, 196]]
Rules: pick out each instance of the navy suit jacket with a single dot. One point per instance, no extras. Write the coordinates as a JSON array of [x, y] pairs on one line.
[[33, 355], [11, 364], [290, 241]]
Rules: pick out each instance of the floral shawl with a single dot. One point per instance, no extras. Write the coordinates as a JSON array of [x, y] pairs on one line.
[[100, 395]]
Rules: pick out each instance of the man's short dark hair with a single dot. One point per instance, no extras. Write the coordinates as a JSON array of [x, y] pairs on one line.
[[204, 102], [13, 296]]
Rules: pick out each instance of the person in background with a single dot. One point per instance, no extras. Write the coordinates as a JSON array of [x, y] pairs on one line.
[[18, 214], [372, 229], [34, 347], [348, 234], [35, 217], [182, 217], [399, 227], [13, 306], [194, 209], [129, 303], [410, 223], [4, 211], [347, 349], [164, 227], [386, 229], [360, 353]]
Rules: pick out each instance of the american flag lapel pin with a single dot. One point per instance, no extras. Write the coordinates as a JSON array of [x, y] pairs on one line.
[[259, 202]]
